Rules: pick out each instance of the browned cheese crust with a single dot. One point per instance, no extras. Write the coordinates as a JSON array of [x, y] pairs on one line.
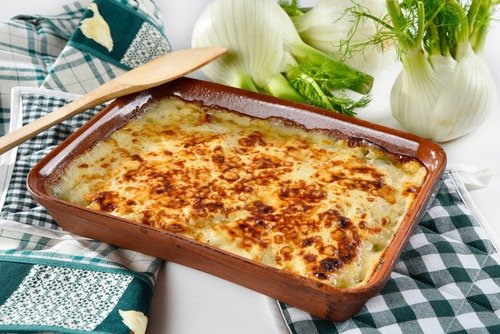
[[296, 200]]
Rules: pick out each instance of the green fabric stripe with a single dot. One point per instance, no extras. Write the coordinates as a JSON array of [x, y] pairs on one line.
[[22, 78], [63, 21], [137, 298], [19, 70], [44, 329], [94, 69], [12, 276]]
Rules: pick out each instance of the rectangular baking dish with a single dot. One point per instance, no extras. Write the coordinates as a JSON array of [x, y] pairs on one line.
[[312, 296]]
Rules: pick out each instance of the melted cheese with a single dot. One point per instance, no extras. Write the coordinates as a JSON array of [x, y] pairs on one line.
[[297, 200]]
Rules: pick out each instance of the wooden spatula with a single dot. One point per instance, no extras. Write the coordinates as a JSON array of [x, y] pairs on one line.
[[156, 72]]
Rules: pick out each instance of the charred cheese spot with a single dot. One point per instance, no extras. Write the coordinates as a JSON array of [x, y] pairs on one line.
[[301, 201]]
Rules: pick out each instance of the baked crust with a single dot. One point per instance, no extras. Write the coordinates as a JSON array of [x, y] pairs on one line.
[[298, 200]]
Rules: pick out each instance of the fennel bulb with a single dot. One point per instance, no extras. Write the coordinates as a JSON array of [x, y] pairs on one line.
[[330, 26], [442, 98], [265, 53], [445, 89]]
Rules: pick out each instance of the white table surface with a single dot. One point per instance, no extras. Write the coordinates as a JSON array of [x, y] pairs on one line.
[[188, 301]]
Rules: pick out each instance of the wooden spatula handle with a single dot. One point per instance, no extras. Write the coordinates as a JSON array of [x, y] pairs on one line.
[[93, 98]]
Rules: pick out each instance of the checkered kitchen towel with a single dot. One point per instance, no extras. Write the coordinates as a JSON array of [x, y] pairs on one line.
[[79, 48], [53, 281], [446, 281]]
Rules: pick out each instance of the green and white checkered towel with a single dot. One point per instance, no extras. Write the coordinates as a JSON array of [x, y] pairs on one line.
[[53, 52], [446, 281], [53, 280]]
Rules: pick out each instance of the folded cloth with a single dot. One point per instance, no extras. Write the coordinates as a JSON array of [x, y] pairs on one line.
[[446, 281], [77, 48], [53, 280]]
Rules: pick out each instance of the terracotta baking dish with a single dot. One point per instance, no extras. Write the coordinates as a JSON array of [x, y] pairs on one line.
[[312, 296]]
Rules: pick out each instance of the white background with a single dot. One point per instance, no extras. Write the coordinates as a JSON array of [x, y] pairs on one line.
[[188, 301]]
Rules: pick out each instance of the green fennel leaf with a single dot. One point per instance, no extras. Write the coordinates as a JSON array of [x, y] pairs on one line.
[[317, 87]]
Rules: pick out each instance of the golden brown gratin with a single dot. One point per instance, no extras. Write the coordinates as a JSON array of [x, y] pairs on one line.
[[302, 201]]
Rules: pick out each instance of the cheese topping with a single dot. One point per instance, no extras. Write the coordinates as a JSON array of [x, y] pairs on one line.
[[297, 200]]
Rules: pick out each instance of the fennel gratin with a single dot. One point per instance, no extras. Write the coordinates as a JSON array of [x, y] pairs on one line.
[[300, 201]]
